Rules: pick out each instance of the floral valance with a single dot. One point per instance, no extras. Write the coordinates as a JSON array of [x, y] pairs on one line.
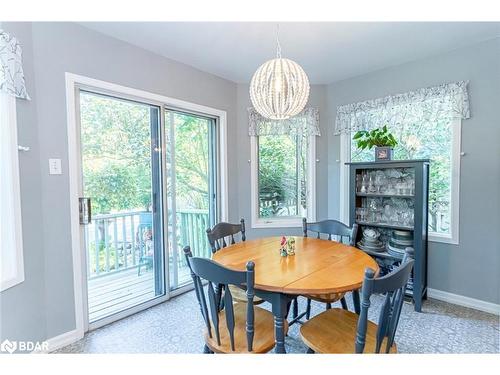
[[431, 104], [306, 122], [11, 67]]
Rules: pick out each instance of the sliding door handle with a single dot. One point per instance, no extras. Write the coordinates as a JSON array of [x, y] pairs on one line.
[[85, 210]]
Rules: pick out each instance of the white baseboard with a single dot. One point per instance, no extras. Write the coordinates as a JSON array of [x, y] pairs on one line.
[[62, 340], [457, 299]]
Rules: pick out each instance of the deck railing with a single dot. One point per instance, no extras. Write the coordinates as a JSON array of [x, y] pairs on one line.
[[192, 226], [121, 241], [269, 206]]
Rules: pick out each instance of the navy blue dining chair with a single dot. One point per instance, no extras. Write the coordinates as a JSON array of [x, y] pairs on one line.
[[223, 235], [238, 327], [342, 331], [331, 230]]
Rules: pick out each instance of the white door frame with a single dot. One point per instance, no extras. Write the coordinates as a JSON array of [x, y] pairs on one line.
[[73, 83]]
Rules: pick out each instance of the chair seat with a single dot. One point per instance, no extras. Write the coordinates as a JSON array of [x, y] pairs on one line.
[[326, 298], [239, 295], [263, 340], [334, 331]]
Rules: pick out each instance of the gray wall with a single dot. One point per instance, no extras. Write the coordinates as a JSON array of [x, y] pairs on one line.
[[46, 298], [317, 99], [471, 268], [22, 307]]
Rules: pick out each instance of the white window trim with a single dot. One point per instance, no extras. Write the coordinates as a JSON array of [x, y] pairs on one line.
[[311, 190], [456, 155], [453, 237], [345, 157], [18, 275]]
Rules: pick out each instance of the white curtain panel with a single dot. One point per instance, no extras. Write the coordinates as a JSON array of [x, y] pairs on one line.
[[11, 67], [304, 123], [446, 101]]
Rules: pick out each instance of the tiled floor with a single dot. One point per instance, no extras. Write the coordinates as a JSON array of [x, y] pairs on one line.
[[176, 327]]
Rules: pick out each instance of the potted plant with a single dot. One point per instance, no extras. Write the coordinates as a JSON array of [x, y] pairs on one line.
[[383, 141]]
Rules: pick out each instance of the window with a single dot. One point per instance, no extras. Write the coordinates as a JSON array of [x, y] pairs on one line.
[[439, 142], [427, 124], [11, 249], [283, 175]]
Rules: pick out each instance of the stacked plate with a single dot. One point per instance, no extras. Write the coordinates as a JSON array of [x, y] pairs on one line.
[[370, 241], [399, 241]]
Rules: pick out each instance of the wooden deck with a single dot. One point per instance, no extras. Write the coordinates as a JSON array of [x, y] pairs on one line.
[[111, 294]]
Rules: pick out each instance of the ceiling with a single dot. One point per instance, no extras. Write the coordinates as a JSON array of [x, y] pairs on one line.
[[328, 52]]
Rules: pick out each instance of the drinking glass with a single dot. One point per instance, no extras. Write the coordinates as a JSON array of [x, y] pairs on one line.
[[364, 183], [379, 180], [361, 213], [359, 182], [371, 187], [400, 188], [358, 213]]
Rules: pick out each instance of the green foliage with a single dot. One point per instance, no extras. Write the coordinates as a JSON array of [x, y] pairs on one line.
[[191, 160], [111, 188], [282, 186], [116, 153], [375, 138]]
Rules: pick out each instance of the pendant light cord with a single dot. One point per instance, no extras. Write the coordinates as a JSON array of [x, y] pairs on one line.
[[278, 46]]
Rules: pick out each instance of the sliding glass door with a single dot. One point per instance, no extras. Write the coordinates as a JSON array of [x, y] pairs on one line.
[[122, 176], [151, 176], [191, 188]]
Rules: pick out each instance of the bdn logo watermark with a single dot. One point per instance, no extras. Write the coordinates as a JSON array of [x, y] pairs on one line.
[[8, 346]]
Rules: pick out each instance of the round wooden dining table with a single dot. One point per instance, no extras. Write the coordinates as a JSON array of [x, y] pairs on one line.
[[318, 267]]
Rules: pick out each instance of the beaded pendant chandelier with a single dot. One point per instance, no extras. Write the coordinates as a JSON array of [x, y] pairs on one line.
[[279, 88]]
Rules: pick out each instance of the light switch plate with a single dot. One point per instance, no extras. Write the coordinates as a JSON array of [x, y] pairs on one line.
[[55, 166]]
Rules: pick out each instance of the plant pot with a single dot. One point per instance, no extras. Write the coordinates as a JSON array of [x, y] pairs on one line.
[[383, 153]]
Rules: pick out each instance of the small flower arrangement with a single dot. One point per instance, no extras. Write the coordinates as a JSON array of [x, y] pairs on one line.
[[283, 251], [291, 246], [287, 246]]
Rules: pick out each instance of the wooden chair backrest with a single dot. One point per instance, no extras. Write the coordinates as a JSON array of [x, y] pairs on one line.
[[393, 286], [223, 234], [333, 228], [218, 278]]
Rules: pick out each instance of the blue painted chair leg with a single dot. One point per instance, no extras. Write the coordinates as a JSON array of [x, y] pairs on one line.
[[343, 302], [328, 306], [310, 351], [308, 309], [206, 350], [279, 307], [219, 292], [355, 300], [295, 308]]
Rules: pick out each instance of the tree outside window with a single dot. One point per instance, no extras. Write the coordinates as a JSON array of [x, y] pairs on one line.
[[282, 175]]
